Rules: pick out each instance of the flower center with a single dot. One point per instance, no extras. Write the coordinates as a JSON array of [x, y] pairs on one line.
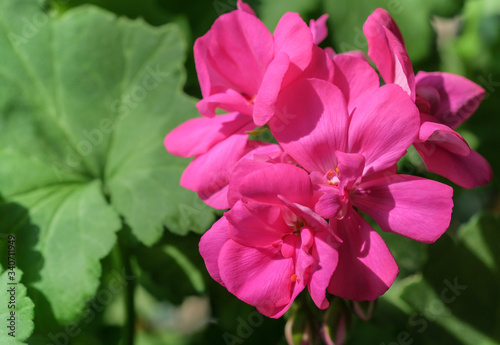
[[332, 177]]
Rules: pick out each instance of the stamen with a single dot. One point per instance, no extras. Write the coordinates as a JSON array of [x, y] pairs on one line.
[[332, 178], [293, 278]]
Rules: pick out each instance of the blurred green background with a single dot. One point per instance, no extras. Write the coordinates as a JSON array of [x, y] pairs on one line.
[[446, 293]]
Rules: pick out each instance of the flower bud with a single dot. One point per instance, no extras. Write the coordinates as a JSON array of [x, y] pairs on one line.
[[298, 330], [335, 322], [364, 310]]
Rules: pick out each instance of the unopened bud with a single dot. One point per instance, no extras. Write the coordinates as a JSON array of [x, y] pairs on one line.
[[298, 330], [335, 323], [364, 310]]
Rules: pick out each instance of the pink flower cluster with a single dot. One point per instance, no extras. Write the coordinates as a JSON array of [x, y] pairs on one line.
[[294, 218]]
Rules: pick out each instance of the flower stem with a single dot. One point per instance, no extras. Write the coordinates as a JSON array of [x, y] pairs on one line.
[[129, 327]]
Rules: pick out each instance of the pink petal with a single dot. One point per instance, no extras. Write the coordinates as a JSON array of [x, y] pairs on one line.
[[196, 136], [265, 102], [382, 127], [325, 261], [293, 51], [217, 199], [467, 171], [366, 268], [428, 100], [312, 219], [330, 52], [311, 123], [304, 260], [210, 246], [266, 184], [351, 166], [355, 54], [257, 158], [260, 277], [387, 49], [379, 174], [306, 238], [256, 224], [233, 54], [209, 173], [438, 134], [229, 101], [321, 66], [281, 74], [318, 29], [329, 203], [289, 246], [355, 77], [292, 36], [411, 206], [244, 7], [459, 97]]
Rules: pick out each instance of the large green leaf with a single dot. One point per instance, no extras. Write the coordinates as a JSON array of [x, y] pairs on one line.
[[16, 311], [76, 230], [86, 101]]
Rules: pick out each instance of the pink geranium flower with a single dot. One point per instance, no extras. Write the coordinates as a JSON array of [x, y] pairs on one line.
[[242, 67], [351, 158], [294, 220], [271, 244], [445, 100]]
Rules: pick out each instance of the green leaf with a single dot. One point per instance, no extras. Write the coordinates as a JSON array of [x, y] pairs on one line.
[[480, 236], [77, 230], [174, 258], [150, 10], [86, 103], [21, 306], [455, 300], [431, 306]]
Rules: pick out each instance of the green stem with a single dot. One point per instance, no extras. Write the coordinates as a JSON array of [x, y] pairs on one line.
[[129, 327]]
